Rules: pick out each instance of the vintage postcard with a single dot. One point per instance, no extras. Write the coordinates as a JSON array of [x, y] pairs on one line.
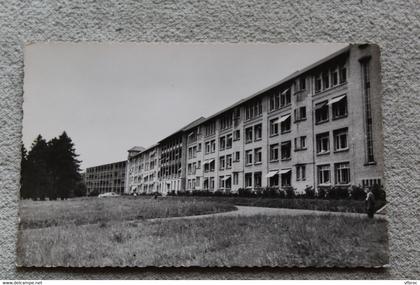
[[186, 154]]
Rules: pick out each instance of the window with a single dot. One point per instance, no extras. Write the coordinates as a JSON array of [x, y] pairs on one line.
[[323, 143], [237, 156], [274, 152], [257, 179], [274, 127], [335, 77], [213, 146], [222, 162], [221, 182], [253, 110], [199, 147], [300, 114], [274, 101], [300, 172], [228, 161], [325, 80], [222, 143], [300, 143], [342, 173], [208, 148], [340, 139], [206, 183], [339, 107], [199, 164], [235, 178], [285, 124], [300, 84], [318, 84], [228, 182], [368, 110], [321, 112], [274, 180], [248, 155], [258, 132], [324, 174], [285, 150], [343, 75], [229, 141], [212, 164], [285, 98], [286, 177], [211, 182], [248, 135], [257, 155], [236, 135], [248, 179], [211, 129], [226, 121]]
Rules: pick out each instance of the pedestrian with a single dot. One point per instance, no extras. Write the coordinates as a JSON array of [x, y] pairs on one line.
[[370, 203]]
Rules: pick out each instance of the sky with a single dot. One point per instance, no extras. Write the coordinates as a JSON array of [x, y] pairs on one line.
[[109, 97]]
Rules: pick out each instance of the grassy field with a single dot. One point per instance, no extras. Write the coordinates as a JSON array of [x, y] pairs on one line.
[[39, 214], [120, 240]]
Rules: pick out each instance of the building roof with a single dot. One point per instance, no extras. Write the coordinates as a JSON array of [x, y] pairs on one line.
[[144, 150], [187, 127], [136, 149], [278, 83], [110, 163]]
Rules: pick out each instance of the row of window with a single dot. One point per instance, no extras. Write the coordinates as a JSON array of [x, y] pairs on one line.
[[330, 78], [338, 108], [340, 137], [277, 178], [254, 133]]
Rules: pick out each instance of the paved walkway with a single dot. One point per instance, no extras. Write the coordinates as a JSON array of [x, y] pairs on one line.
[[247, 211]]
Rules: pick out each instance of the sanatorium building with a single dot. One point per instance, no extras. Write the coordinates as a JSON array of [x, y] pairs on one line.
[[320, 126]]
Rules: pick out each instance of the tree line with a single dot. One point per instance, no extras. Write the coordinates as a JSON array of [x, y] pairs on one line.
[[51, 170]]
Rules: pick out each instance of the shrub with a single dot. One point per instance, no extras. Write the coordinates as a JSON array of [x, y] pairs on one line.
[[93, 193], [357, 193], [172, 193], [245, 192], [271, 192], [218, 193], [289, 191], [322, 191], [378, 191], [201, 193], [309, 192], [337, 192]]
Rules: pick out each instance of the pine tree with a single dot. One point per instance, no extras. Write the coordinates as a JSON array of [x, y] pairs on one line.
[[64, 167], [37, 173], [23, 174]]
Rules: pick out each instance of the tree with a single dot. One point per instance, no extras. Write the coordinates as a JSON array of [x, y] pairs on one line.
[[51, 170], [24, 193], [36, 173], [64, 167]]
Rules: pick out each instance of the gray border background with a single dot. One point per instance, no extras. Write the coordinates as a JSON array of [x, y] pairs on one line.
[[393, 25]]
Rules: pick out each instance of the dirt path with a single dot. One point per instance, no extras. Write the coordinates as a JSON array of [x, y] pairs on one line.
[[253, 211]]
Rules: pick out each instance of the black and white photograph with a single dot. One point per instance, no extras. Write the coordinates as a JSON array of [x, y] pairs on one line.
[[202, 154]]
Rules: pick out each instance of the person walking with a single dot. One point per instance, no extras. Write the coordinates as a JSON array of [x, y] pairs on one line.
[[370, 203]]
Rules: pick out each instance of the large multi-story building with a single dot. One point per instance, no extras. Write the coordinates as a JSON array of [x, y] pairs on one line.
[[320, 126], [142, 170], [106, 178]]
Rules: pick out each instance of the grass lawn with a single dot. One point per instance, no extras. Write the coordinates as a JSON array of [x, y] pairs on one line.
[[235, 241], [39, 214], [116, 232]]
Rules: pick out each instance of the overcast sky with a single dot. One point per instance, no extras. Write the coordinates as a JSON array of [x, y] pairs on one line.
[[111, 97]]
